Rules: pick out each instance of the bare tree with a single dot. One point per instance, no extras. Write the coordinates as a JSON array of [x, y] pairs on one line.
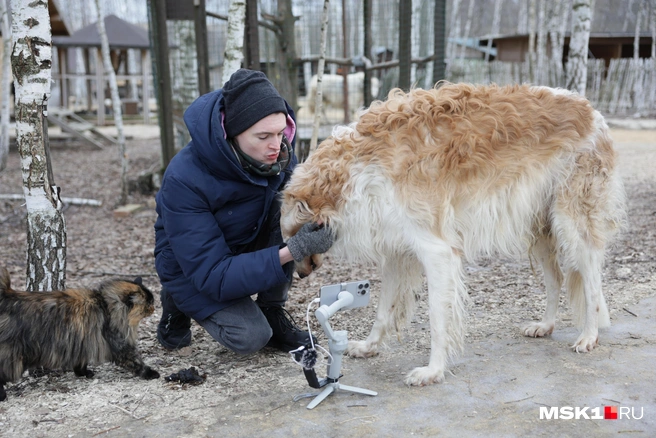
[[532, 17], [577, 64], [628, 5], [31, 61], [116, 102], [454, 30], [643, 13], [554, 19], [5, 85], [496, 20], [465, 36], [522, 18], [185, 83], [234, 51], [319, 96], [541, 48], [652, 27]]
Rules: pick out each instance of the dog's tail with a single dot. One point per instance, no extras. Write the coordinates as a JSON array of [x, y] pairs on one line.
[[5, 282]]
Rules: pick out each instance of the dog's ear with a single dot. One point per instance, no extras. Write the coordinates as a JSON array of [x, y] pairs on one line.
[[138, 280]]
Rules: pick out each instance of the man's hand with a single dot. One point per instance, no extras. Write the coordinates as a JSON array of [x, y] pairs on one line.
[[310, 239]]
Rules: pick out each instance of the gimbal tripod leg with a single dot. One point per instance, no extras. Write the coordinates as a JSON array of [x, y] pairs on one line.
[[322, 395], [357, 390]]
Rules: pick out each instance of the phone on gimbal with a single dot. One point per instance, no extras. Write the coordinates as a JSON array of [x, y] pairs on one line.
[[359, 290]]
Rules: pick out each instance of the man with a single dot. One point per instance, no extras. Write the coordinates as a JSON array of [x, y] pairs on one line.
[[217, 233]]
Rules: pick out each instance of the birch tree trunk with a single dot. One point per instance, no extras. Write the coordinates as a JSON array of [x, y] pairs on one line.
[[454, 30], [31, 61], [496, 20], [522, 18], [234, 51], [116, 102], [577, 64], [465, 36], [628, 4], [5, 85], [652, 27], [642, 13], [185, 82], [541, 49], [318, 106], [306, 50], [554, 16], [532, 16]]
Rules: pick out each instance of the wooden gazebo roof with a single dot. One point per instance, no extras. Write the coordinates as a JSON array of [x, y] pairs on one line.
[[120, 34]]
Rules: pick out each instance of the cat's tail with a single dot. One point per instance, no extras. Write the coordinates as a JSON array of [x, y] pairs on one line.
[[5, 282]]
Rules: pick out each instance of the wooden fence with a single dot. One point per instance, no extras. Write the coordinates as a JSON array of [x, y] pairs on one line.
[[627, 87]]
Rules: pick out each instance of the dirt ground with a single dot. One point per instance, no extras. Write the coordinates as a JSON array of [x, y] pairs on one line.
[[496, 389]]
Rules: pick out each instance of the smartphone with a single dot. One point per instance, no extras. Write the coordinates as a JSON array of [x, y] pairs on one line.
[[359, 290]]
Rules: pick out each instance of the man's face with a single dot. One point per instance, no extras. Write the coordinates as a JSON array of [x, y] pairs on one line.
[[262, 140]]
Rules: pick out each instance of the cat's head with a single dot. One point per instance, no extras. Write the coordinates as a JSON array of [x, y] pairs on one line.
[[135, 296]]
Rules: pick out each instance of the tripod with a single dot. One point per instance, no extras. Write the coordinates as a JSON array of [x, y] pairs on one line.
[[337, 343]]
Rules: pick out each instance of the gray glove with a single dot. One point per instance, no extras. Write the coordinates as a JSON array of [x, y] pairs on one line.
[[310, 239]]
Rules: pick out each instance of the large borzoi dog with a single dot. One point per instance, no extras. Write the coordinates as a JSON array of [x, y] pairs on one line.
[[427, 179]]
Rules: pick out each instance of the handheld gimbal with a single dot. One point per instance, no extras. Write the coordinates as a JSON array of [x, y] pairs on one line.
[[334, 298]]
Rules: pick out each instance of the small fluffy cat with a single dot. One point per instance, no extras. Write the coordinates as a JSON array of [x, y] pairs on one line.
[[72, 328]]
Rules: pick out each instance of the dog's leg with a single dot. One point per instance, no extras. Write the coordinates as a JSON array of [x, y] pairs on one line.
[[582, 263], [401, 278], [3, 394], [545, 252], [446, 303], [587, 301], [587, 212]]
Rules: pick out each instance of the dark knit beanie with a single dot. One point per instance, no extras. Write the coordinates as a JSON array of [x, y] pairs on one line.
[[249, 97]]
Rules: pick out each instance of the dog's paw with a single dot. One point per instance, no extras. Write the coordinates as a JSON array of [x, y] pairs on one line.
[[538, 329], [585, 344], [361, 349], [422, 376]]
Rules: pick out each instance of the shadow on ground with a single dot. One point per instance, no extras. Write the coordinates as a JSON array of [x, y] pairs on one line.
[[497, 385]]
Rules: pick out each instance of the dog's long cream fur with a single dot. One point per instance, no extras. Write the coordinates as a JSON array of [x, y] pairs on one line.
[[427, 179]]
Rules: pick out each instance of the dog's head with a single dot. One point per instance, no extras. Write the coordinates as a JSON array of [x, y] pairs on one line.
[[316, 192], [294, 213]]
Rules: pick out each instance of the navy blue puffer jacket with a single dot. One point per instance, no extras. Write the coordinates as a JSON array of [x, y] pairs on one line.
[[207, 206]]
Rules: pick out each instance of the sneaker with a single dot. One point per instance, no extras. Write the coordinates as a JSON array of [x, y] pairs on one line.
[[174, 329], [287, 336]]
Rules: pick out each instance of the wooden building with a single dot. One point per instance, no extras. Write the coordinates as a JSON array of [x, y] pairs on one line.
[[122, 36]]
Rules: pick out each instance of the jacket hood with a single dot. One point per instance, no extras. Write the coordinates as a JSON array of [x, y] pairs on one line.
[[204, 119]]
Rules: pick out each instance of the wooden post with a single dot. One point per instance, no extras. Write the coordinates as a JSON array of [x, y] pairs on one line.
[[63, 76], [405, 43], [439, 41], [366, 8], [251, 37], [145, 86], [88, 82], [162, 75], [345, 69], [100, 88], [202, 56]]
